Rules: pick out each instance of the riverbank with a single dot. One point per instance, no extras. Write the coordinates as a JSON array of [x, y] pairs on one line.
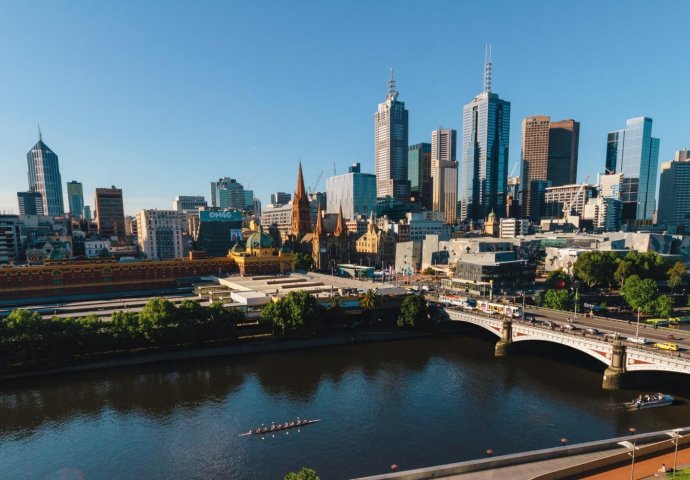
[[258, 345]]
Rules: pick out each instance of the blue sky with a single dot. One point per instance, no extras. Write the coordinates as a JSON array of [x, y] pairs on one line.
[[161, 97]]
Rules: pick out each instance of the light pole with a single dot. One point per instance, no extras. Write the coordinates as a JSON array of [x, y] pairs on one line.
[[675, 435], [637, 328], [632, 448]]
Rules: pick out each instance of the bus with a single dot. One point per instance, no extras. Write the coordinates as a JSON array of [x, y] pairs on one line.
[[499, 309]]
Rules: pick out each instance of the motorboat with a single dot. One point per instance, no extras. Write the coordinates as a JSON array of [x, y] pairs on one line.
[[650, 400]]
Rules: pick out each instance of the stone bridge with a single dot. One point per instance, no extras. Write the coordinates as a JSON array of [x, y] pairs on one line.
[[618, 357]]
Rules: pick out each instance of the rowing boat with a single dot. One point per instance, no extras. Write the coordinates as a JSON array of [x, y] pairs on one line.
[[279, 427]]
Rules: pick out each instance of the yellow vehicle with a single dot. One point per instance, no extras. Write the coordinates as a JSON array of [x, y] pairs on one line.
[[666, 346]]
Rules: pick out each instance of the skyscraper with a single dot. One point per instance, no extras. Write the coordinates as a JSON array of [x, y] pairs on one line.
[[549, 159], [280, 198], [674, 193], [30, 203], [419, 173], [352, 193], [444, 173], [229, 193], [635, 153], [44, 177], [390, 147], [485, 138], [75, 198], [110, 212]]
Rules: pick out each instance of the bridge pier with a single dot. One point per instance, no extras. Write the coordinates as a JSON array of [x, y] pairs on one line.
[[504, 345], [614, 375]]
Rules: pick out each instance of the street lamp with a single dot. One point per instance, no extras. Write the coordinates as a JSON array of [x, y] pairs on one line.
[[631, 447], [675, 435]]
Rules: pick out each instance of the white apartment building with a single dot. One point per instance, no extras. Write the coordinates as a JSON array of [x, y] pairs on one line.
[[160, 233]]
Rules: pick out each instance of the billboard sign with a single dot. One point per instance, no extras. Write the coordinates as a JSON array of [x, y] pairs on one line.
[[235, 235], [222, 216]]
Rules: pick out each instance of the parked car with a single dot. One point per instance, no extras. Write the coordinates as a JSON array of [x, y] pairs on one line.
[[666, 346]]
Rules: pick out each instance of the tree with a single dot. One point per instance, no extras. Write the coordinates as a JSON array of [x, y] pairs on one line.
[[274, 314], [596, 268], [428, 271], [623, 271], [663, 306], [676, 274], [155, 317], [303, 261], [640, 293], [558, 278], [414, 312], [369, 302], [304, 474], [558, 299]]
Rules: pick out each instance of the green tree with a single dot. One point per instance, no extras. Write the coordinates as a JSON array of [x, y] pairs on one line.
[[640, 293], [623, 271], [125, 331], [303, 261], [663, 306], [304, 474], [302, 309], [596, 268], [428, 271], [155, 318], [335, 311], [369, 302], [274, 314], [558, 299], [676, 274], [414, 312], [558, 279]]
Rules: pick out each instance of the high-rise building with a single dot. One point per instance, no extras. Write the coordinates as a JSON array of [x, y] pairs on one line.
[[256, 206], [564, 145], [159, 233], [189, 203], [280, 198], [75, 198], [390, 147], [248, 200], [444, 173], [353, 192], [674, 193], [635, 153], [110, 212], [44, 177], [30, 203], [419, 174], [576, 195], [10, 239], [549, 159], [87, 213], [485, 138], [229, 193]]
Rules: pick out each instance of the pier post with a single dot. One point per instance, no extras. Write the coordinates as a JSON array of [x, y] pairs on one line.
[[503, 345], [614, 375]]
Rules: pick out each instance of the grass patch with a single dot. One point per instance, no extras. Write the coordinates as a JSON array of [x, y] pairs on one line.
[[683, 474]]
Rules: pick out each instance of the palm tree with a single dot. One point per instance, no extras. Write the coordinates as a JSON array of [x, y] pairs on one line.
[[369, 302]]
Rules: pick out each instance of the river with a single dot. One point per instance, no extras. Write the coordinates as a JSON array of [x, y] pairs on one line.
[[413, 403]]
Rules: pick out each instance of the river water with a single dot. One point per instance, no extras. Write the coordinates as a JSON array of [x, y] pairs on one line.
[[413, 403]]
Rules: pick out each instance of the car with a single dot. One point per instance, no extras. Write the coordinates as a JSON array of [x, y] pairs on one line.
[[638, 340], [570, 328], [592, 331], [666, 346]]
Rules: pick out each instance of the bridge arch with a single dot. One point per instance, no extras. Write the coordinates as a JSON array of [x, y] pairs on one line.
[[602, 356]]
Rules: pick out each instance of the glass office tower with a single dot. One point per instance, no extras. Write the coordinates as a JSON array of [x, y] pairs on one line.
[[485, 138], [419, 173], [635, 153], [75, 198], [44, 177]]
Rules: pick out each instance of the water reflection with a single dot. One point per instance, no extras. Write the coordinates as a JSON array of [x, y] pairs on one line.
[[413, 403]]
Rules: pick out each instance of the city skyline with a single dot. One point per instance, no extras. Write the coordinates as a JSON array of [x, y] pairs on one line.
[[131, 122]]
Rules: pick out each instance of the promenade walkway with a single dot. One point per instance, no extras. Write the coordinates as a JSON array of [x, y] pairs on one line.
[[644, 469]]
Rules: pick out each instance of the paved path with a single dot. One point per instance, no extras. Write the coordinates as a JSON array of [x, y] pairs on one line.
[[644, 468]]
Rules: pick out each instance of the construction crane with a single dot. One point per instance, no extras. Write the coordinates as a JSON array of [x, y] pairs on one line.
[[568, 206], [313, 188]]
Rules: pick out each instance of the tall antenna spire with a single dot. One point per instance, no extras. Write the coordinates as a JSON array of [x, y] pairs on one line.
[[40, 136], [487, 68], [392, 92]]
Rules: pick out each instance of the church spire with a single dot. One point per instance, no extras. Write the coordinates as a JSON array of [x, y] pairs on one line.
[[340, 227], [301, 191], [319, 231]]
